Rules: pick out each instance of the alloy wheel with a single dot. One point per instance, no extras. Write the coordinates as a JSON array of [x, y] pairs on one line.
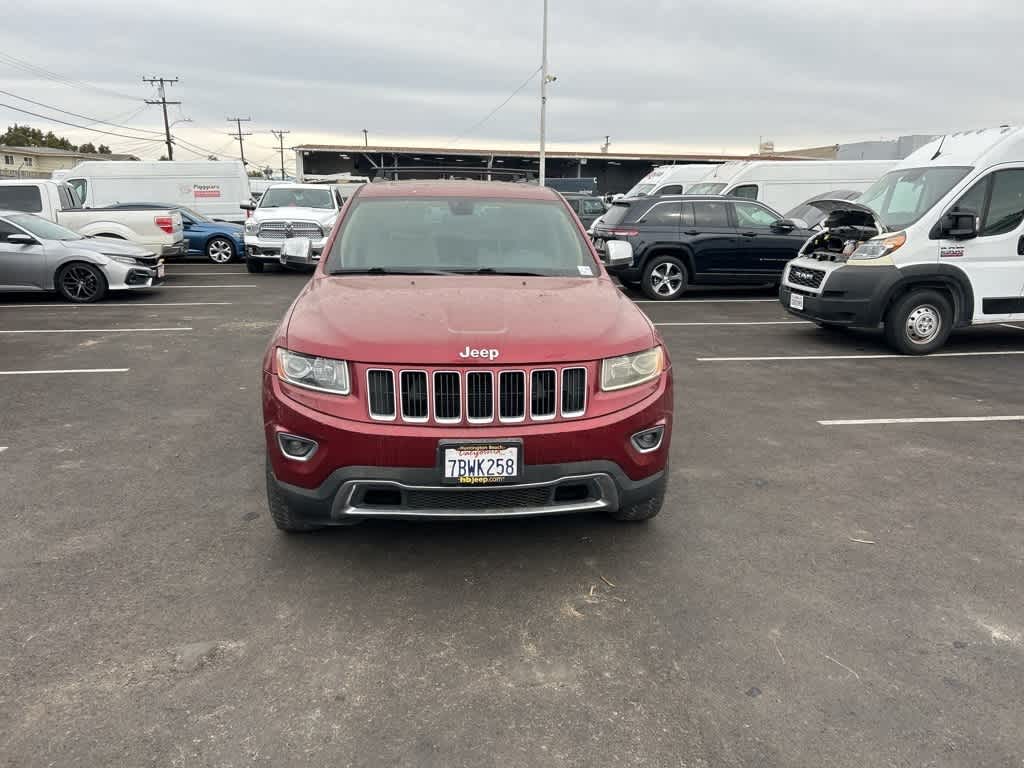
[[219, 250], [80, 283], [666, 279]]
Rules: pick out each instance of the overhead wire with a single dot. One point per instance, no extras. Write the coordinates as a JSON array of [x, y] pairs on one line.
[[92, 120], [76, 125], [47, 74], [494, 111]]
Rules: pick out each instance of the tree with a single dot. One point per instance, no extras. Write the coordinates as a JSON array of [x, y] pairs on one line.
[[26, 136]]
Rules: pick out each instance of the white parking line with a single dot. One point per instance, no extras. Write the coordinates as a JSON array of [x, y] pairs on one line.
[[209, 285], [1011, 325], [65, 370], [753, 322], [928, 420], [704, 301], [3, 448], [102, 330], [854, 357], [203, 274], [147, 304]]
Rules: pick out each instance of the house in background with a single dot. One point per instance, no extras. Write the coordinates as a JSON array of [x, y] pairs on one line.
[[40, 162]]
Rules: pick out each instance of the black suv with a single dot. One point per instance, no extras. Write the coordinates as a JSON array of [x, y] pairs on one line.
[[682, 240]]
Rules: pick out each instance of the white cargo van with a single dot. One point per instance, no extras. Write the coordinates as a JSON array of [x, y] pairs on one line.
[[935, 244], [669, 180], [214, 188], [784, 184]]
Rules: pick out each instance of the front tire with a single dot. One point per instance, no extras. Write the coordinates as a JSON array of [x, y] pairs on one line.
[[664, 278], [284, 518], [919, 323], [81, 283], [253, 266], [220, 250]]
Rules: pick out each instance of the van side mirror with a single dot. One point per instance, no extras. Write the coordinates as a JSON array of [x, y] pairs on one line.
[[618, 253], [959, 224], [784, 225]]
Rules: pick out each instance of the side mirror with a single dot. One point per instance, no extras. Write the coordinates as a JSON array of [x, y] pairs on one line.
[[297, 249], [618, 253], [20, 239], [248, 206], [784, 225], [186, 224], [959, 225]]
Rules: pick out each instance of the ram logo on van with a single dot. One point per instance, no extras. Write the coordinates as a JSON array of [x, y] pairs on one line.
[[471, 352]]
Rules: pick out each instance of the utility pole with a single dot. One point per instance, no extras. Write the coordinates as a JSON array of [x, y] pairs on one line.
[[366, 138], [280, 143], [241, 145], [160, 82], [543, 96]]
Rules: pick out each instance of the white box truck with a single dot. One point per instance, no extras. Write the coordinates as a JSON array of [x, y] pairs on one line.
[[214, 188], [937, 243], [784, 184]]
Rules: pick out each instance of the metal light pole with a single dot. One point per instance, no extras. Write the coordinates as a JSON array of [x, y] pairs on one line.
[[543, 94]]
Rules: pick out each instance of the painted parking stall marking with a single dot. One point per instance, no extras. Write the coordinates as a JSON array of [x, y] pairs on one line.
[[922, 420], [102, 330], [790, 358], [64, 370], [738, 322], [104, 305]]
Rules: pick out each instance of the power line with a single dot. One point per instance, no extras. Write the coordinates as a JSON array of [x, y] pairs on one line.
[[75, 125], [163, 102], [92, 120], [238, 121], [280, 144], [47, 74], [494, 111]]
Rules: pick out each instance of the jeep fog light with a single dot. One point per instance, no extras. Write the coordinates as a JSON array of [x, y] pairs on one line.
[[648, 440], [295, 447]]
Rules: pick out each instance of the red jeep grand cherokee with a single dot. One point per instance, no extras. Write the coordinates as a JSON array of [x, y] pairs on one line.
[[460, 352]]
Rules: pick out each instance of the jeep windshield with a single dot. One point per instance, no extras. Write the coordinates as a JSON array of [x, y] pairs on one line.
[[449, 235], [291, 197], [902, 197]]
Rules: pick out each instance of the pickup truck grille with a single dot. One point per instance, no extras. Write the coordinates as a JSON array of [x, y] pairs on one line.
[[811, 278], [475, 396], [279, 230]]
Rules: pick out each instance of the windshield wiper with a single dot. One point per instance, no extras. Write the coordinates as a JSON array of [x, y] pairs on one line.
[[493, 271], [391, 271]]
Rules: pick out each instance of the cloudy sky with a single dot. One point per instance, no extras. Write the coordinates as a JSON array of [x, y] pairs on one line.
[[661, 74]]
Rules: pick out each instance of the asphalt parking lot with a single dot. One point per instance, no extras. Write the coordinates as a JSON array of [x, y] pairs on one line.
[[842, 594]]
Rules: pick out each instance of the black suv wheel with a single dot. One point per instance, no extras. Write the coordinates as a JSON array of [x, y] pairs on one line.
[[664, 278]]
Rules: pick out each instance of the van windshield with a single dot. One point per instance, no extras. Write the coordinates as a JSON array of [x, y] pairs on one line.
[[902, 197], [641, 190], [707, 188], [461, 235]]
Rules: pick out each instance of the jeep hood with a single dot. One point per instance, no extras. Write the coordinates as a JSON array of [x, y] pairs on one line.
[[847, 212], [429, 320]]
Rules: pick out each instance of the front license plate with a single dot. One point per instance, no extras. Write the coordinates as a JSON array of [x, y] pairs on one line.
[[479, 463], [796, 300], [159, 270]]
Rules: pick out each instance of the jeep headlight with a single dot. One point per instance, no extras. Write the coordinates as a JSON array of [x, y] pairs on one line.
[[251, 226], [320, 373], [631, 370], [879, 247]]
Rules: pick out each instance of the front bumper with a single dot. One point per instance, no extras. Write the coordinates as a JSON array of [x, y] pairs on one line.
[[266, 249], [122, 277], [848, 296], [372, 469]]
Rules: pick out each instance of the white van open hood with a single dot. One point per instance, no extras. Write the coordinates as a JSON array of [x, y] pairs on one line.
[[851, 212]]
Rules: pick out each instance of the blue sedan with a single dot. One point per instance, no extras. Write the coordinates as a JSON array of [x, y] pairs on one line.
[[219, 241]]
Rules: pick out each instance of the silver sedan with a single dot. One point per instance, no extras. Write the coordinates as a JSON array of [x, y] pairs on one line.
[[38, 255]]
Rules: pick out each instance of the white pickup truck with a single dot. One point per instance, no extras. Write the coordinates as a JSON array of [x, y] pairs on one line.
[[159, 230]]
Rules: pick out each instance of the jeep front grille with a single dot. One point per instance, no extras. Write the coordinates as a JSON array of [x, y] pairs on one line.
[[475, 396]]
